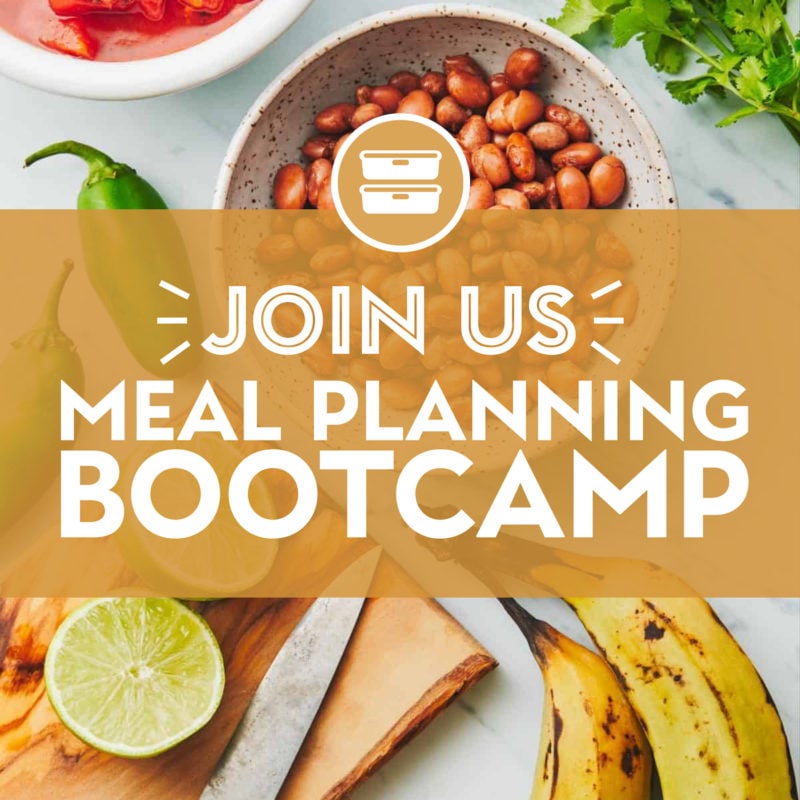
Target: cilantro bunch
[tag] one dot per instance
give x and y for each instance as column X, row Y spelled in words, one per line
column 747, row 47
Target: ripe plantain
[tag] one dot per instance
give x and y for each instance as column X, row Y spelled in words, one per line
column 592, row 746
column 713, row 727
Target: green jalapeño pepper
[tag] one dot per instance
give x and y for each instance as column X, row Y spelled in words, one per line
column 137, row 262
column 30, row 402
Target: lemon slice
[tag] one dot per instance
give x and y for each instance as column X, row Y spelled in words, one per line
column 134, row 676
column 222, row 561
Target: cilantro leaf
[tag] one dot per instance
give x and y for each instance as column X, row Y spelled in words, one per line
column 750, row 83
column 578, row 16
column 747, row 43
column 771, row 20
column 746, row 48
column 663, row 53
column 782, row 71
column 656, row 12
column 689, row 91
column 744, row 15
column 628, row 23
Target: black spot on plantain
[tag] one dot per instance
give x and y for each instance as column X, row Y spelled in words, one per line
column 630, row 757
column 723, row 707
column 546, row 766
column 653, row 632
column 610, row 719
column 558, row 730
column 621, row 680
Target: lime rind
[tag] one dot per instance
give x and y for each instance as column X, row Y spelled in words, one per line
column 134, row 677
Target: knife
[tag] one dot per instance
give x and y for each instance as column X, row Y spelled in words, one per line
column 265, row 744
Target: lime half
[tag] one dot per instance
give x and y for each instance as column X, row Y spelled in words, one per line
column 221, row 561
column 134, row 676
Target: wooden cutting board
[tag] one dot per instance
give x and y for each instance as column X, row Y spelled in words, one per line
column 406, row 661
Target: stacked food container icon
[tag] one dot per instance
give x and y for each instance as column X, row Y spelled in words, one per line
column 392, row 193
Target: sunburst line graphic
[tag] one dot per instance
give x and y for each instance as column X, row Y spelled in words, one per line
column 604, row 351
column 185, row 344
column 596, row 346
column 609, row 320
column 176, row 290
column 607, row 289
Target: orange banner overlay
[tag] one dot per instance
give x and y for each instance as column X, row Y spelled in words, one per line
column 597, row 403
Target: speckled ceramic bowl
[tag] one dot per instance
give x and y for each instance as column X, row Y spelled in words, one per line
column 417, row 38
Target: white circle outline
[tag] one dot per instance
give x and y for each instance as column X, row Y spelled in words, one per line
column 400, row 248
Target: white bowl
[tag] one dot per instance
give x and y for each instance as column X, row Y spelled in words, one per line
column 130, row 80
column 417, row 38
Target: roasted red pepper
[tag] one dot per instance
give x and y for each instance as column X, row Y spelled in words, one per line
column 152, row 9
column 69, row 36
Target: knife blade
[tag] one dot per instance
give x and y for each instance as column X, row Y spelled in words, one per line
column 265, row 744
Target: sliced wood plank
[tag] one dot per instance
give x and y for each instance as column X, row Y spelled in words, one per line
column 407, row 661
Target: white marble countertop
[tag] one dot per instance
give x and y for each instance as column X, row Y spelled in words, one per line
column 486, row 744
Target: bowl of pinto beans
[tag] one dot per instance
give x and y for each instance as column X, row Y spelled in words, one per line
column 544, row 125
column 401, row 60
column 127, row 49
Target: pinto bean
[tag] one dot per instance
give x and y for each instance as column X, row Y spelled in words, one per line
column 607, row 181
column 435, row 84
column 543, row 168
column 523, row 68
column 573, row 188
column 499, row 84
column 474, row 133
column 417, row 102
column 319, row 147
column 290, row 187
column 365, row 113
column 450, row 115
column 533, row 190
column 325, row 197
column 548, row 136
column 579, row 154
column 511, row 198
column 363, row 94
column 465, row 63
column 490, row 162
column 521, row 157
column 570, row 120
column 335, row 119
column 317, row 173
column 468, row 89
column 387, row 97
column 405, row 81
column 551, row 193
column 481, row 194
column 514, row 112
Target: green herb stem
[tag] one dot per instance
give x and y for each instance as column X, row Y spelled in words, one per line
column 749, row 49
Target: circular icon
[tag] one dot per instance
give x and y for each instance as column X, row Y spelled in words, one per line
column 400, row 183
